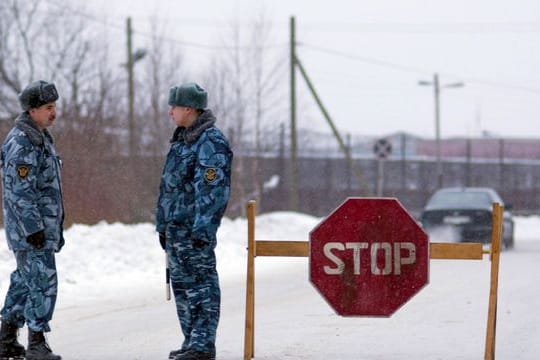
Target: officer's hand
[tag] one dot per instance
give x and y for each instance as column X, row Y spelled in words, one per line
column 162, row 239
column 199, row 244
column 37, row 240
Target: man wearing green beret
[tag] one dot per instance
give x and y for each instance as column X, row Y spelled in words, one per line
column 193, row 196
column 33, row 219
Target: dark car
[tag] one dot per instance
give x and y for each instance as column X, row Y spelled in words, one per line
column 465, row 214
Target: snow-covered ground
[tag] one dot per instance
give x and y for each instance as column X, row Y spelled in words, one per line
column 112, row 301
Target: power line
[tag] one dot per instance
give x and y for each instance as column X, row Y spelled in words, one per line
column 486, row 82
column 429, row 28
column 410, row 69
column 211, row 47
column 87, row 16
column 398, row 27
column 365, row 59
column 117, row 26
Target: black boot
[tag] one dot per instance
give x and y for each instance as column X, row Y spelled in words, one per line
column 196, row 355
column 174, row 353
column 38, row 349
column 9, row 346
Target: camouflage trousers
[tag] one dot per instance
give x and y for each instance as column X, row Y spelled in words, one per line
column 31, row 296
column 195, row 284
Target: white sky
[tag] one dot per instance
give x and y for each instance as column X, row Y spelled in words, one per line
column 381, row 49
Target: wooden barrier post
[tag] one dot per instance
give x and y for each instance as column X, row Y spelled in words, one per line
column 438, row 251
column 249, row 334
column 496, row 235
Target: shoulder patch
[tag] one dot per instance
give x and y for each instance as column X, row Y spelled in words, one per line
column 23, row 171
column 210, row 174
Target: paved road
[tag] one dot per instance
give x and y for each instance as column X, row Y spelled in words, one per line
column 445, row 321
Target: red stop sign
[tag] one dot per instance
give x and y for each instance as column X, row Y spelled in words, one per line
column 368, row 257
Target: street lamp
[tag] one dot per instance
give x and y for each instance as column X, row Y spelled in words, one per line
column 437, row 88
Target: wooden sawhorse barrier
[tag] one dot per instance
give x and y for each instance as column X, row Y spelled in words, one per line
column 438, row 251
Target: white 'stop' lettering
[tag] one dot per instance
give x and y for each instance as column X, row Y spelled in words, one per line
column 393, row 259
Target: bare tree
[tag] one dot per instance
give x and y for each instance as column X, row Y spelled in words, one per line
column 100, row 180
column 243, row 81
column 71, row 53
column 17, row 32
column 33, row 47
column 267, row 76
column 164, row 68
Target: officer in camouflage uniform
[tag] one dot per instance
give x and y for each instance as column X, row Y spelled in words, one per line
column 33, row 217
column 193, row 195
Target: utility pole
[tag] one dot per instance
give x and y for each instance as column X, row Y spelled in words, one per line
column 132, row 58
column 403, row 141
column 437, row 89
column 296, row 63
column 437, row 92
column 131, row 120
column 346, row 149
column 293, row 180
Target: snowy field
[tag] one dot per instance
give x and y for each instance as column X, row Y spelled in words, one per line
column 112, row 301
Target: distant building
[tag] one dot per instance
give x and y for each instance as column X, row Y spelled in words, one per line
column 483, row 148
column 405, row 145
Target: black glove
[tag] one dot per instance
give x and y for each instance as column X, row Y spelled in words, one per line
column 199, row 244
column 162, row 239
column 37, row 240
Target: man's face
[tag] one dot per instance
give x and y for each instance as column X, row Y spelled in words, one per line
column 44, row 115
column 182, row 116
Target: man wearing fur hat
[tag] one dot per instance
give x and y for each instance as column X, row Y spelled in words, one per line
column 193, row 195
column 33, row 219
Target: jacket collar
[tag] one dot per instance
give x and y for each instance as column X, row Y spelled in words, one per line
column 25, row 123
column 191, row 134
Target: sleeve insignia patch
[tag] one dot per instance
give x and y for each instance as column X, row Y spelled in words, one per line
column 210, row 174
column 23, row 171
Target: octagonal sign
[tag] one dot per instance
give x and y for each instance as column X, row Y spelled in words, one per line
column 368, row 257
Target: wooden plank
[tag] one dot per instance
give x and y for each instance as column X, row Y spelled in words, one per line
column 462, row 251
column 281, row 248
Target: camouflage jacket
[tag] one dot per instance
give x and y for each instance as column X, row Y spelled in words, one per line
column 196, row 179
column 32, row 194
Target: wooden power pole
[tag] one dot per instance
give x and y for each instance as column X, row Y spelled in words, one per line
column 293, row 165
